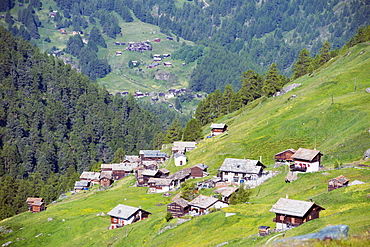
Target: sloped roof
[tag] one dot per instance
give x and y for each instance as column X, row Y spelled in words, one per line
column 181, row 174
column 106, row 166
column 226, row 191
column 106, row 174
column 305, row 154
column 164, row 170
column 123, row 167
column 184, row 144
column 81, row 184
column 160, row 181
column 178, row 155
column 34, row 199
column 149, row 173
column 290, row 149
column 181, row 201
column 218, row 126
column 241, row 165
column 292, row 207
column 90, row 175
column 202, row 201
column 123, row 211
column 341, row 179
column 152, row 154
column 201, row 166
column 132, row 158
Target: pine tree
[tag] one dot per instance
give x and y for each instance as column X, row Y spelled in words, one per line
column 193, row 130
column 119, row 156
column 325, row 53
column 251, row 86
column 272, row 82
column 174, row 133
column 301, row 67
column 226, row 100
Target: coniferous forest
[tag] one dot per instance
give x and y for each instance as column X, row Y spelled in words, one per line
column 55, row 123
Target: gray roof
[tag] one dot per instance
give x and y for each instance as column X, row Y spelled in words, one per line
column 123, row 167
column 150, row 173
column 160, row 181
column 341, row 179
column 106, row 174
column 218, row 126
column 241, row 165
column 182, row 202
column 305, row 154
column 90, row 175
column 226, row 191
column 106, row 166
column 81, row 184
column 290, row 149
column 202, row 201
column 292, row 207
column 178, row 155
column 123, row 211
column 132, row 158
column 185, row 144
column 181, row 174
column 152, row 154
column 164, row 170
column 201, row 166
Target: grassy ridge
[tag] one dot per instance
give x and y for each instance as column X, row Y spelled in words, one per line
column 327, row 109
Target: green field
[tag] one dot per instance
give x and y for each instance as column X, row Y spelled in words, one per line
column 330, row 112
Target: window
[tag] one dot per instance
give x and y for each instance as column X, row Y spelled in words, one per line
column 226, row 173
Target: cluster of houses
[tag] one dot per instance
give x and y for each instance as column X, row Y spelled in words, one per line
column 137, row 46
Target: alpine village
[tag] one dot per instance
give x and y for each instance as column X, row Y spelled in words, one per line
column 184, row 123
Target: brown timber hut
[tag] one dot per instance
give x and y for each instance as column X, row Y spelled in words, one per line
column 218, row 129
column 106, row 178
column 338, row 182
column 285, row 156
column 178, row 207
column 35, row 205
column 198, row 171
column 292, row 213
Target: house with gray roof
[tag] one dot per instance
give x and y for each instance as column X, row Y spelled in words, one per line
column 292, row 213
column 152, row 155
column 199, row 171
column 238, row 171
column 226, row 192
column 306, row 160
column 180, row 176
column 81, row 185
column 92, row 177
column 203, row 205
column 178, row 207
column 183, row 147
column 124, row 215
column 218, row 129
column 160, row 185
column 180, row 159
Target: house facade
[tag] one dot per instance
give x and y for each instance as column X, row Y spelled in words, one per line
column 226, row 192
column 199, row 171
column 35, row 205
column 238, row 171
column 183, row 147
column 106, row 178
column 92, row 177
column 218, row 129
column 203, row 205
column 152, row 155
column 292, row 213
column 180, row 176
column 306, row 160
column 178, row 207
column 338, row 182
column 285, row 156
column 160, row 185
column 123, row 215
column 180, row 159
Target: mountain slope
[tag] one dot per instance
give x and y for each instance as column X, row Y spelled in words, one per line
column 267, row 127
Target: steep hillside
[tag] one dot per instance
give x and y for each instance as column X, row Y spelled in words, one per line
column 330, row 109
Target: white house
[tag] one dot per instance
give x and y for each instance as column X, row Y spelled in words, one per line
column 203, row 204
column 306, row 160
column 160, row 185
column 124, row 215
column 180, row 159
column 237, row 171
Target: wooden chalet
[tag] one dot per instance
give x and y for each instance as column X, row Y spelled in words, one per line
column 152, row 155
column 180, row 176
column 163, row 172
column 218, row 129
column 35, row 205
column 180, row 159
column 92, row 177
column 122, row 170
column 143, row 176
column 81, row 185
column 134, row 160
column 292, row 213
column 106, row 178
column 263, row 231
column 306, row 160
column 178, row 207
column 338, row 182
column 106, row 167
column 199, row 171
column 203, row 204
column 285, row 156
column 125, row 215
column 226, row 192
column 183, row 147
column 238, row 171
column 160, row 185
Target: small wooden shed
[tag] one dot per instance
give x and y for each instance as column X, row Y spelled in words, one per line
column 35, row 205
column 178, row 207
column 338, row 182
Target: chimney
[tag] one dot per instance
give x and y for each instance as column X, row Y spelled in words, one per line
column 261, row 159
column 286, row 196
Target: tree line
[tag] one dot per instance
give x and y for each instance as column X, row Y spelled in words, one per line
column 55, row 123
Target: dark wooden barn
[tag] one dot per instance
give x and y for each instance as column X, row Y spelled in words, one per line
column 179, row 207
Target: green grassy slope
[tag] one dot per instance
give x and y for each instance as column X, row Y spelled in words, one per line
column 341, row 130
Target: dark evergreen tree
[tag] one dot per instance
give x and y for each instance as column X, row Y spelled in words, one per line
column 192, row 130
column 174, row 133
column 273, row 82
column 301, row 67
